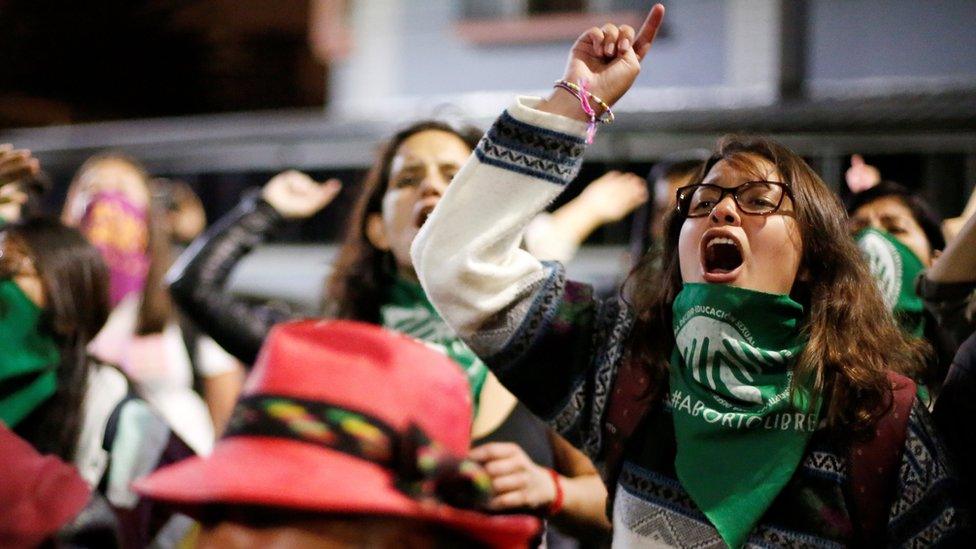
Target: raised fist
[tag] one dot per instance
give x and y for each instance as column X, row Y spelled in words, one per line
column 297, row 196
column 614, row 195
column 16, row 165
column 607, row 60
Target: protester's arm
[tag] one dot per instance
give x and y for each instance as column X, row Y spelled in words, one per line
column 543, row 336
column 519, row 484
column 861, row 176
column 198, row 279
column 530, row 325
column 17, row 164
column 223, row 378
column 958, row 262
column 584, row 511
column 947, row 287
column 952, row 227
column 607, row 199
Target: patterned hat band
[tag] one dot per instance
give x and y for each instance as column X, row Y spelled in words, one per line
column 422, row 468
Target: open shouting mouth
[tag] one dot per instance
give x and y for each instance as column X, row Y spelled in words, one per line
column 721, row 256
column 422, row 211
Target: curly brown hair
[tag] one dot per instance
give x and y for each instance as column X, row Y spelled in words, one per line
column 363, row 273
column 853, row 339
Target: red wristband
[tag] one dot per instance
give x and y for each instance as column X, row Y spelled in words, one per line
column 557, row 503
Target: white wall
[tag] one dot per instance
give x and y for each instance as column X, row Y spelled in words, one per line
column 409, row 60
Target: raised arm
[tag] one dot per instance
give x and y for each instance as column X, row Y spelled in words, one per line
column 533, row 328
column 607, row 199
column 957, row 264
column 948, row 285
column 16, row 167
column 197, row 280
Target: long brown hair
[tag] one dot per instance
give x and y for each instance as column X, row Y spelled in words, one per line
column 75, row 282
column 362, row 273
column 156, row 307
column 853, row 339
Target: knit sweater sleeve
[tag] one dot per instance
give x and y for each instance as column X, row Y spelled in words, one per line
column 546, row 338
column 928, row 509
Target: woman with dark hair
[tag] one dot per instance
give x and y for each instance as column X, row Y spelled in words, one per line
column 54, row 299
column 900, row 235
column 63, row 279
column 374, row 281
column 747, row 394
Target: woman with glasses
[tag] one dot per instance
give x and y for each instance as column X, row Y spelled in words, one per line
column 745, row 393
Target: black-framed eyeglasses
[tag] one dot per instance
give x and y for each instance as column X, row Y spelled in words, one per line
column 752, row 197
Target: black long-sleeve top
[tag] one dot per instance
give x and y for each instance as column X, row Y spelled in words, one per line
column 197, row 280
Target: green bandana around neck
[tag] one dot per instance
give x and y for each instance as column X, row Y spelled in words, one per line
column 895, row 267
column 28, row 358
column 740, row 436
column 409, row 312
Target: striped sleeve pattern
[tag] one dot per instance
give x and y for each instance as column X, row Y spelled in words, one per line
column 540, row 333
column 468, row 255
column 926, row 511
column 531, row 151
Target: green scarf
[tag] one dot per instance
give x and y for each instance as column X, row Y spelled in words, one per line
column 895, row 268
column 409, row 312
column 740, row 435
column 28, row 358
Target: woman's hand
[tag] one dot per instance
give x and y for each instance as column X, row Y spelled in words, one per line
column 861, row 176
column 614, row 195
column 518, row 483
column 608, row 59
column 16, row 165
column 295, row 195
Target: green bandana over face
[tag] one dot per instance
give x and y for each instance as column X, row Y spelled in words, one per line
column 895, row 268
column 28, row 358
column 409, row 312
column 740, row 434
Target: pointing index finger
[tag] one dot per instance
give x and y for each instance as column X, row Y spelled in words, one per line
column 645, row 36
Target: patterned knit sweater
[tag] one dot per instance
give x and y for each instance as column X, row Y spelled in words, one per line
column 557, row 348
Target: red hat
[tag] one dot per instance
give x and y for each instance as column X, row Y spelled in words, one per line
column 347, row 418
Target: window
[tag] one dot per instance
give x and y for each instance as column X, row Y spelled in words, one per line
column 490, row 22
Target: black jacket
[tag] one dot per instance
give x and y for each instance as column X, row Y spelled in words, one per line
column 197, row 280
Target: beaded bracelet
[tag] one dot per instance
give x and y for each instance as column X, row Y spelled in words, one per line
column 579, row 90
column 584, row 96
column 557, row 503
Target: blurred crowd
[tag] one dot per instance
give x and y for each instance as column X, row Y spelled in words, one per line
column 457, row 389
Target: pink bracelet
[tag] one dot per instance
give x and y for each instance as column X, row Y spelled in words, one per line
column 585, row 97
